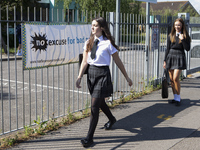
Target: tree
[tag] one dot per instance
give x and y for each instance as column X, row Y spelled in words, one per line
column 7, row 6
column 189, row 9
column 9, row 2
column 103, row 5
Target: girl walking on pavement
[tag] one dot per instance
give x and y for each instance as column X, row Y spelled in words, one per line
column 174, row 60
column 96, row 56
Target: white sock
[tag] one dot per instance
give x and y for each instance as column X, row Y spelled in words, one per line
column 175, row 96
column 178, row 98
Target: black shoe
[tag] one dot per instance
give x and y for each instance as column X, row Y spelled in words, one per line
column 177, row 103
column 86, row 143
column 171, row 101
column 109, row 124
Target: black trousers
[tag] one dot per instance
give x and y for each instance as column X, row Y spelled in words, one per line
column 95, row 105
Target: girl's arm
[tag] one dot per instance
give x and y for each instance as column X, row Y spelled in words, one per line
column 121, row 67
column 185, row 42
column 168, row 48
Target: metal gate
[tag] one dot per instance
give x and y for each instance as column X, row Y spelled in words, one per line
column 27, row 95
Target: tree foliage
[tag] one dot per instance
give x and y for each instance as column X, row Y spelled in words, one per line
column 12, row 3
column 103, row 5
column 191, row 10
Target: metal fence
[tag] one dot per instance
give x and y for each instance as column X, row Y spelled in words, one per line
column 27, row 95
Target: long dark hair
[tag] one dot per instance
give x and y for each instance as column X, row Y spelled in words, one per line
column 183, row 31
column 105, row 32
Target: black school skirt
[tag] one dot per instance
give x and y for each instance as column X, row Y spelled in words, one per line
column 176, row 60
column 99, row 81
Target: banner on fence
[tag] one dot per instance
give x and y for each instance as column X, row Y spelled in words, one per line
column 52, row 45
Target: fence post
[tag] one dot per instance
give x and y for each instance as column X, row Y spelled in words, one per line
column 116, row 42
column 187, row 54
column 169, row 27
column 112, row 66
column 146, row 70
column 156, row 47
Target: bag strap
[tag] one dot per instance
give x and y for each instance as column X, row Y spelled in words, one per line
column 164, row 73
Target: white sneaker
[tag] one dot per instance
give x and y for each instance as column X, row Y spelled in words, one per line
column 18, row 53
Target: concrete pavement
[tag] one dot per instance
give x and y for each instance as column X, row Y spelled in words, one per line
column 146, row 123
column 11, row 57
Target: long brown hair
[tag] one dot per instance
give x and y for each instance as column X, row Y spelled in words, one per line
column 105, row 32
column 183, row 31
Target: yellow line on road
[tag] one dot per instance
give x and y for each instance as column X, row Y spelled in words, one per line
column 163, row 116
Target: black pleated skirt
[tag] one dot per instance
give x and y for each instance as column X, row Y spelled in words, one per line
column 176, row 60
column 99, row 81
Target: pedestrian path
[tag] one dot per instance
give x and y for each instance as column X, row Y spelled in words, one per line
column 11, row 57
column 146, row 123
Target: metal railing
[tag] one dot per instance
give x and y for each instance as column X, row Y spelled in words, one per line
column 50, row 92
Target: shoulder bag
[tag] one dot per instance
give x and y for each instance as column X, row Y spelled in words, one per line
column 164, row 93
column 80, row 61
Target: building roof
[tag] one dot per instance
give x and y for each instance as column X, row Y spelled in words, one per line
column 173, row 5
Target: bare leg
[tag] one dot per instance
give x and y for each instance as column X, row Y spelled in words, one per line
column 176, row 87
column 176, row 81
column 19, row 50
column 171, row 76
column 20, row 46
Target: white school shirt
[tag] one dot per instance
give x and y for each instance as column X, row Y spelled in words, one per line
column 178, row 33
column 103, row 53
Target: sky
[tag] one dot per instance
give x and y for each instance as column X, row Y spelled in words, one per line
column 195, row 3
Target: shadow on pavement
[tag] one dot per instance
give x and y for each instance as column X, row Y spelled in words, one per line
column 143, row 124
